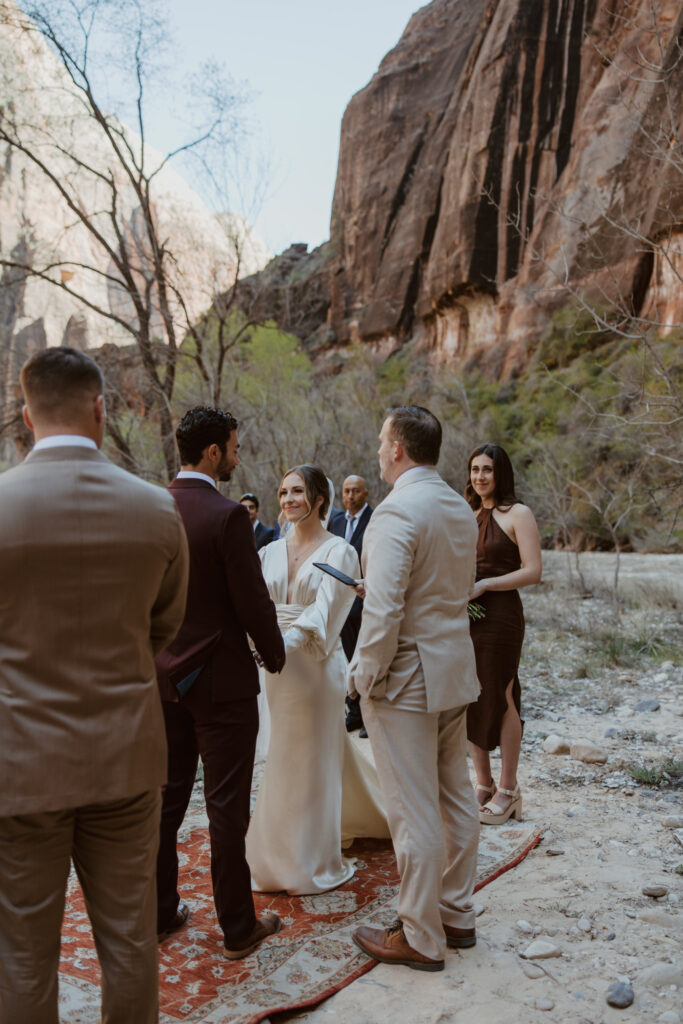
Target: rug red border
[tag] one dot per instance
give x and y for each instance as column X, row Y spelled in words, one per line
column 513, row 863
column 291, row 1008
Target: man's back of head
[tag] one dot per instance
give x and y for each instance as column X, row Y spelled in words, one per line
column 418, row 431
column 200, row 427
column 410, row 437
column 63, row 390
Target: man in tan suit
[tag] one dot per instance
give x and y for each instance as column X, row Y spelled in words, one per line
column 414, row 669
column 94, row 568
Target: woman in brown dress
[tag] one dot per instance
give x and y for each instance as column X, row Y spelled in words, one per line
column 508, row 557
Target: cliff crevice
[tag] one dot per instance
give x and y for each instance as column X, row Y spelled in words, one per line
column 505, row 157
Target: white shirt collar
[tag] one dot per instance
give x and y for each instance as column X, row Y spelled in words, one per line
column 189, row 474
column 64, row 440
column 357, row 515
column 257, row 522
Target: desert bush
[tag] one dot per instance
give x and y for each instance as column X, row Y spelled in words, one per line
column 668, row 772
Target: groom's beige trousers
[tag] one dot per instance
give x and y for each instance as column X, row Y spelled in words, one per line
column 421, row 760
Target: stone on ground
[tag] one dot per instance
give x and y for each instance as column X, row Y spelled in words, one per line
column 620, row 994
column 587, row 751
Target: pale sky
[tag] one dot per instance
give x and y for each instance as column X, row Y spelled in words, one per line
column 303, row 60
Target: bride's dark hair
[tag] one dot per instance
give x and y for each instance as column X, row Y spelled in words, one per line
column 315, row 484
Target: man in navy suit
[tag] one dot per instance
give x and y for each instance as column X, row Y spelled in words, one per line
column 351, row 525
column 262, row 534
column 209, row 682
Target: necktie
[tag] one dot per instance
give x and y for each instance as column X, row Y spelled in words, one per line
column 350, row 525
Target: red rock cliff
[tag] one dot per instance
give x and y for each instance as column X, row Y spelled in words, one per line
column 506, row 154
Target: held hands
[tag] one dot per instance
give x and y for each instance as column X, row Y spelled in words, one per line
column 277, row 667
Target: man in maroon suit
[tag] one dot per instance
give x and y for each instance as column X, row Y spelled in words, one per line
column 209, row 682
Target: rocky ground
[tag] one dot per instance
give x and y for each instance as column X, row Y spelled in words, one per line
column 610, row 674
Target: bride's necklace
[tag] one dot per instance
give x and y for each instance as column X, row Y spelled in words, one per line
column 303, row 552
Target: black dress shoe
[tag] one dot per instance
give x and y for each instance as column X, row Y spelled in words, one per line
column 363, row 733
column 178, row 920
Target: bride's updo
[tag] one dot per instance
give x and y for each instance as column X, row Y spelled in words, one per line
column 315, row 484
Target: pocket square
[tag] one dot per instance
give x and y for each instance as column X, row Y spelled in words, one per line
column 186, row 684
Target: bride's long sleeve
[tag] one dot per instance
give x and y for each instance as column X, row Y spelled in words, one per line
column 317, row 628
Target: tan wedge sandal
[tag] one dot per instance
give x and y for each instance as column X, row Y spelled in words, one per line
column 490, row 814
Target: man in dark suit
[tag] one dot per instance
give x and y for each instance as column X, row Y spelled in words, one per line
column 351, row 525
column 262, row 534
column 209, row 682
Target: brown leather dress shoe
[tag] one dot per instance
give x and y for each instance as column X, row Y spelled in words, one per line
column 180, row 918
column 460, row 938
column 267, row 925
column 390, row 946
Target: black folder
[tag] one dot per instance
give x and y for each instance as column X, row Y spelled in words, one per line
column 337, row 573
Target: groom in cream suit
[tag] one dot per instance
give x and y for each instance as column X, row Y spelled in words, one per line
column 94, row 568
column 415, row 672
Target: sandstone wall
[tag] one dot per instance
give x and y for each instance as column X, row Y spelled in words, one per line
column 506, row 154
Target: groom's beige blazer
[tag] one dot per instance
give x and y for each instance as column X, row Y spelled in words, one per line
column 94, row 565
column 418, row 632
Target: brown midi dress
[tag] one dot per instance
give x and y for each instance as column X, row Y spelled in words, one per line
column 498, row 637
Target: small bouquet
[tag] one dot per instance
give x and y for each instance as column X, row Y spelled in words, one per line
column 475, row 610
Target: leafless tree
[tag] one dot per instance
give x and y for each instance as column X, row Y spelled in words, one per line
column 107, row 176
column 612, row 503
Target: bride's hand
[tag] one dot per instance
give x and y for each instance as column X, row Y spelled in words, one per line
column 360, row 589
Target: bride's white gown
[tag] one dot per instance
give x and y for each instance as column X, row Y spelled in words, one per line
column 300, row 817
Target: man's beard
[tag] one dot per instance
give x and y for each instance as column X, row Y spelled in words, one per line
column 224, row 473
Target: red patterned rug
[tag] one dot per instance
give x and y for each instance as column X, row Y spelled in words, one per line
column 310, row 959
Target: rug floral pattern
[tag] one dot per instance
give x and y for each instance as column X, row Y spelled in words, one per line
column 312, row 957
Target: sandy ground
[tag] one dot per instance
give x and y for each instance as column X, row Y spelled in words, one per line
column 585, row 669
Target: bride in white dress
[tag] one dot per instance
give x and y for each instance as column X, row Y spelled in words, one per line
column 317, row 790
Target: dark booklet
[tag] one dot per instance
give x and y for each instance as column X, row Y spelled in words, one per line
column 337, row 573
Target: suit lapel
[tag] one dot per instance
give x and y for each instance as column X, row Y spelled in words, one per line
column 357, row 536
column 338, row 526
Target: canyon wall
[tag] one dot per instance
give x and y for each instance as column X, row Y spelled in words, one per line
column 508, row 157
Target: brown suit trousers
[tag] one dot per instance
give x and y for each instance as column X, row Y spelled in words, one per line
column 113, row 847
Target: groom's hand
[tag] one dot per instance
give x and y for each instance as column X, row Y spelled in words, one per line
column 274, row 667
